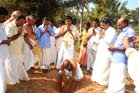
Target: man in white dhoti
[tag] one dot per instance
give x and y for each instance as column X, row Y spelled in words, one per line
column 93, row 38
column 102, row 63
column 4, row 53
column 30, row 42
column 53, row 44
column 58, row 40
column 67, row 47
column 119, row 60
column 14, row 30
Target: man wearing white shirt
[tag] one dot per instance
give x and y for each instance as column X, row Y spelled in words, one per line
column 14, row 30
column 93, row 38
column 102, row 63
column 4, row 50
column 67, row 46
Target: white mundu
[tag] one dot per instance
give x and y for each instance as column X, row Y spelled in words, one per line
column 102, row 63
column 17, row 51
column 133, row 66
column 3, row 55
column 67, row 46
column 53, row 50
column 92, row 45
column 29, row 56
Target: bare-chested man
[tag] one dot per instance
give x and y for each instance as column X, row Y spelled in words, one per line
column 30, row 41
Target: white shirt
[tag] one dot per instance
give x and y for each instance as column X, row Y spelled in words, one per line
column 93, row 41
column 2, row 33
column 16, row 45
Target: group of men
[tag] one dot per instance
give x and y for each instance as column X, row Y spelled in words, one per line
column 18, row 36
column 105, row 52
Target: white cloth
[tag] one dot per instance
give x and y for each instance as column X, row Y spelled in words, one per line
column 3, row 78
column 102, row 63
column 59, row 40
column 79, row 73
column 117, row 78
column 133, row 66
column 45, row 57
column 3, row 55
column 67, row 47
column 92, row 46
column 29, row 57
column 64, row 53
column 53, row 50
column 91, row 56
column 16, row 49
column 11, row 30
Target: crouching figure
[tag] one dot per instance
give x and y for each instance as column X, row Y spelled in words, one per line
column 69, row 71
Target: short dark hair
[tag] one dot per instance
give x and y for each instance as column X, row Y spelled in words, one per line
column 60, row 22
column 87, row 23
column 66, row 63
column 68, row 17
column 106, row 20
column 126, row 21
column 3, row 11
column 45, row 18
column 20, row 17
column 95, row 19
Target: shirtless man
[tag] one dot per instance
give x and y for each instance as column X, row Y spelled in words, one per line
column 30, row 20
column 30, row 41
column 69, row 71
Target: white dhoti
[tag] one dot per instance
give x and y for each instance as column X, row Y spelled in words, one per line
column 3, row 79
column 91, row 55
column 29, row 57
column 79, row 73
column 65, row 52
column 45, row 57
column 101, row 71
column 117, row 78
column 133, row 66
column 53, row 50
column 11, row 71
column 102, row 64
column 20, row 69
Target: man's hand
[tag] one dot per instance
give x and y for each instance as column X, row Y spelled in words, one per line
column 135, row 39
column 46, row 28
column 111, row 48
column 6, row 42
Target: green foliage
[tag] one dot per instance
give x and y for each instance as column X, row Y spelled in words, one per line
column 110, row 8
column 57, row 9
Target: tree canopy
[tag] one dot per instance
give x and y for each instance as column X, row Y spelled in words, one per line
column 79, row 9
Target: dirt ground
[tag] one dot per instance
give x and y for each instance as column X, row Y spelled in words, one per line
column 46, row 82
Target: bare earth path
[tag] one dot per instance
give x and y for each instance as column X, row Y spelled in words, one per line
column 47, row 83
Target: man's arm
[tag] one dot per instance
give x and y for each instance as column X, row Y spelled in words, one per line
column 90, row 34
column 61, row 33
column 117, row 48
column 17, row 35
